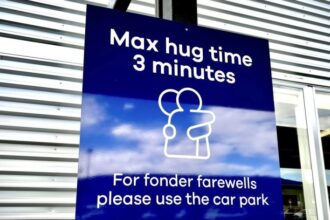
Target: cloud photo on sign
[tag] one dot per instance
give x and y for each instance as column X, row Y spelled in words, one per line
column 125, row 135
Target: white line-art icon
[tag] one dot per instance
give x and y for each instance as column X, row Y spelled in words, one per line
column 197, row 134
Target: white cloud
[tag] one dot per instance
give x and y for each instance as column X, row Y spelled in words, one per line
column 248, row 132
column 93, row 113
column 128, row 106
column 144, row 160
column 147, row 136
column 236, row 132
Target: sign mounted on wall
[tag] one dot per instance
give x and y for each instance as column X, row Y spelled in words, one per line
column 177, row 122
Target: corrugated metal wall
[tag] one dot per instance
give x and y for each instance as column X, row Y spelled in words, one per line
column 41, row 52
column 299, row 31
column 41, row 56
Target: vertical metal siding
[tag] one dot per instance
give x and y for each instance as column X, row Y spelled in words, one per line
column 41, row 50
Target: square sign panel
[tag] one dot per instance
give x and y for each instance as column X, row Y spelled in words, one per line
column 177, row 123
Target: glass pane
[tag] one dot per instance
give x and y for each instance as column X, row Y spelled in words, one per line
column 296, row 173
column 323, row 109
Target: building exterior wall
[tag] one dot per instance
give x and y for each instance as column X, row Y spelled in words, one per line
column 41, row 60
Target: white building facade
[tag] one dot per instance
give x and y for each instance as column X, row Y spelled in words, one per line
column 41, row 62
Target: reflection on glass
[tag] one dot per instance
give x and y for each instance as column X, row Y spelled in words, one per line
column 323, row 109
column 296, row 174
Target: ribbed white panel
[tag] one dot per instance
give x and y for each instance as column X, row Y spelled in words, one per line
column 41, row 56
column 41, row 52
column 299, row 31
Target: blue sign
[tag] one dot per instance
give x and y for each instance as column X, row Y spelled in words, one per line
column 177, row 123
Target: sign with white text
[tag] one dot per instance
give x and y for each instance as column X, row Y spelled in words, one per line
column 177, row 123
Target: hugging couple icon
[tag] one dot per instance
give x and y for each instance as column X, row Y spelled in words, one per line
column 191, row 141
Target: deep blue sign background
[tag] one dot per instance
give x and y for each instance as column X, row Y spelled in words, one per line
column 253, row 87
column 108, row 71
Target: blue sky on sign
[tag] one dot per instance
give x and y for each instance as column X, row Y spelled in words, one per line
column 125, row 135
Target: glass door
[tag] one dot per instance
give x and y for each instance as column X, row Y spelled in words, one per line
column 323, row 111
column 294, row 149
